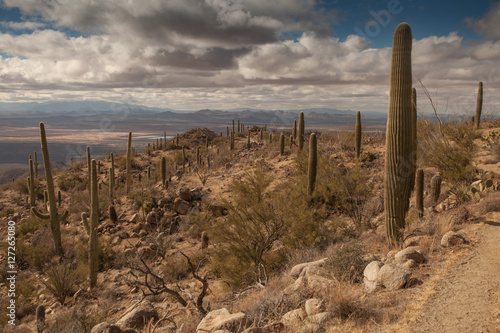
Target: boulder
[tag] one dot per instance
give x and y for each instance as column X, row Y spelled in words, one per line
column 412, row 252
column 294, row 318
column 318, row 319
column 185, row 194
column 275, row 327
column 452, row 238
column 297, row 269
column 393, row 276
column 151, row 218
column 314, row 306
column 221, row 319
column 181, row 206
column 163, row 202
column 138, row 316
column 110, row 328
column 371, row 280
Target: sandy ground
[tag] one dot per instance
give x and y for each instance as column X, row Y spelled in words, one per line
column 466, row 296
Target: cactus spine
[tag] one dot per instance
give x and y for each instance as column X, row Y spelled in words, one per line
column 282, row 144
column 313, row 163
column 301, row 131
column 54, row 216
column 436, row 187
column 399, row 139
column 419, row 192
column 479, row 104
column 40, row 318
column 129, row 163
column 94, row 220
column 357, row 134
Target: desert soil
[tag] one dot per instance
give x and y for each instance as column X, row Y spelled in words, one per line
column 465, row 298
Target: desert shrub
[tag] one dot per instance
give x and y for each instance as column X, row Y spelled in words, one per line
column 19, row 185
column 347, row 262
column 75, row 320
column 449, row 148
column 175, row 269
column 144, row 195
column 70, row 180
column 30, row 225
column 61, row 282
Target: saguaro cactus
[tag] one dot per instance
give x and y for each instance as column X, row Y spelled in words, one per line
column 129, row 163
column 163, row 169
column 248, row 139
column 35, row 165
column 357, row 134
column 313, row 163
column 282, row 144
column 414, row 136
column 204, row 240
column 198, row 157
column 294, row 129
column 399, row 139
column 31, row 185
column 88, row 167
column 94, row 220
column 479, row 104
column 301, row 131
column 436, row 187
column 183, row 160
column 40, row 318
column 419, row 192
column 54, row 216
column 232, row 141
column 112, row 179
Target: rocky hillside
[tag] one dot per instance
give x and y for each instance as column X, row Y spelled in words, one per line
column 214, row 239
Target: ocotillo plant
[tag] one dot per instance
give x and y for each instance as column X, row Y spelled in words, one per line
column 357, row 134
column 129, row 163
column 282, row 144
column 40, row 318
column 163, row 169
column 54, row 216
column 313, row 163
column 399, row 139
column 419, row 192
column 94, row 220
column 436, row 187
column 294, row 129
column 301, row 131
column 479, row 104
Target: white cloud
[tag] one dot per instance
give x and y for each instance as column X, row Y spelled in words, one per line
column 489, row 25
column 28, row 25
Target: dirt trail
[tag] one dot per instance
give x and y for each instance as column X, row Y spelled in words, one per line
column 467, row 296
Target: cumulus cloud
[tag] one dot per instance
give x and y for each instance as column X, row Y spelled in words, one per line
column 28, row 25
column 489, row 25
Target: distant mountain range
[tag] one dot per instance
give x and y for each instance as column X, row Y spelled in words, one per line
column 97, row 107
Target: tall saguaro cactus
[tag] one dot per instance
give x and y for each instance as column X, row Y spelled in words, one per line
column 31, row 185
column 414, row 135
column 94, row 220
column 112, row 179
column 163, row 169
column 302, row 127
column 54, row 216
column 313, row 163
column 294, row 129
column 129, row 162
column 479, row 104
column 282, row 143
column 399, row 139
column 357, row 134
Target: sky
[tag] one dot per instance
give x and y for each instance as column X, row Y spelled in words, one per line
column 260, row 54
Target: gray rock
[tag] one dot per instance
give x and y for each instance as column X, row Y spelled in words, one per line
column 412, row 252
column 371, row 280
column 297, row 269
column 222, row 319
column 393, row 276
column 294, row 318
column 137, row 316
column 318, row 319
column 452, row 238
column 314, row 306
